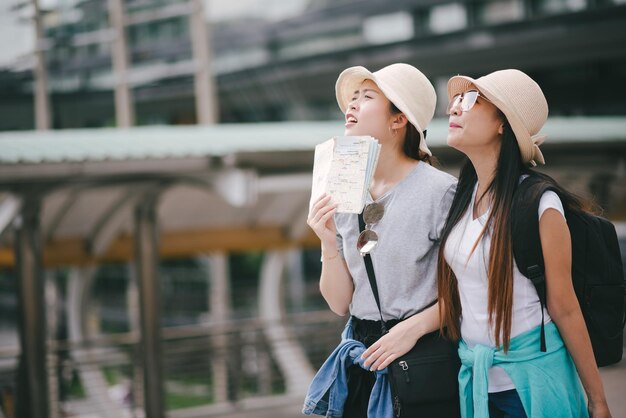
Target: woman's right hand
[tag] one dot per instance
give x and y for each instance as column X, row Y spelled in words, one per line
column 321, row 220
column 336, row 283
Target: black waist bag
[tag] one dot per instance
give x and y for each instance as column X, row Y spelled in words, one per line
column 428, row 373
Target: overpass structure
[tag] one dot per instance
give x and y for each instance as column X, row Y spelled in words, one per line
column 83, row 198
column 286, row 70
column 561, row 47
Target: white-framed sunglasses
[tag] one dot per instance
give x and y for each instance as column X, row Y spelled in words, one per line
column 466, row 100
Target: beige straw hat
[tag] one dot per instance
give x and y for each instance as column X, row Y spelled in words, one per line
column 521, row 100
column 404, row 85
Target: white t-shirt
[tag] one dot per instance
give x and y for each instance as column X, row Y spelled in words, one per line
column 472, row 280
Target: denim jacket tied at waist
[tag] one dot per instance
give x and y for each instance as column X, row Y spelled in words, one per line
column 329, row 389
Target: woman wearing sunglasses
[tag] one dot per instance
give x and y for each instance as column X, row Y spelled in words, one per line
column 404, row 214
column 485, row 301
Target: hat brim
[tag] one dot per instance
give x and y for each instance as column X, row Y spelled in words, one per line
column 349, row 82
column 460, row 83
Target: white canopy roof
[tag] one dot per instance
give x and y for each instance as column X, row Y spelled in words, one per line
column 224, row 187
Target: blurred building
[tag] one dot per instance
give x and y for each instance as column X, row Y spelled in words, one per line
column 269, row 70
column 89, row 219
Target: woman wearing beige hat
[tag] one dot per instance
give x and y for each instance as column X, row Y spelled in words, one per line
column 411, row 199
column 508, row 370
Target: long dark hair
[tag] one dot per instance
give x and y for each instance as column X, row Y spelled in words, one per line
column 500, row 268
column 412, row 139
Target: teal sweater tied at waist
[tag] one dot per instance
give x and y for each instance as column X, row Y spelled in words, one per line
column 547, row 383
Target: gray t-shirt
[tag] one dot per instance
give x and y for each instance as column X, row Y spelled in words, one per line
column 405, row 259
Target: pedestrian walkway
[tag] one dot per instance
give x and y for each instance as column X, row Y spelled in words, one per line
column 614, row 378
column 290, row 410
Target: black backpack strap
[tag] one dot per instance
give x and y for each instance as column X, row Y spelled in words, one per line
column 372, row 277
column 526, row 240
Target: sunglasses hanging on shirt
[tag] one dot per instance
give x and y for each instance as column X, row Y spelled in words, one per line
column 368, row 239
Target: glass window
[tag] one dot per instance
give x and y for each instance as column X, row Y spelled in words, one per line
column 321, row 44
column 154, row 30
column 166, row 30
column 447, row 18
column 387, row 28
column 177, row 28
column 82, row 52
column 560, row 6
column 238, row 59
column 105, row 48
column 183, row 28
column 500, row 11
column 143, row 34
column 132, row 34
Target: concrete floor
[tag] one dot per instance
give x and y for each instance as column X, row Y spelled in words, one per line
column 614, row 378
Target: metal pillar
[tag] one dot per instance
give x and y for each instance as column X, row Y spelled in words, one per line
column 51, row 296
column 124, row 110
column 92, row 377
column 295, row 273
column 134, row 321
column 288, row 353
column 146, row 263
column 42, row 100
column 204, row 82
column 32, row 376
column 219, row 302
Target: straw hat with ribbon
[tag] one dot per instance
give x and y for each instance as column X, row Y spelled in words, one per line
column 404, row 85
column 521, row 100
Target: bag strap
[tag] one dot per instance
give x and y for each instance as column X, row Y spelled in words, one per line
column 526, row 241
column 369, row 267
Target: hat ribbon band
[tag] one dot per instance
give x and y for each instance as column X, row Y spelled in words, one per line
column 537, row 155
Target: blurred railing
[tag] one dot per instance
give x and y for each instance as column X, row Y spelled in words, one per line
column 209, row 369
